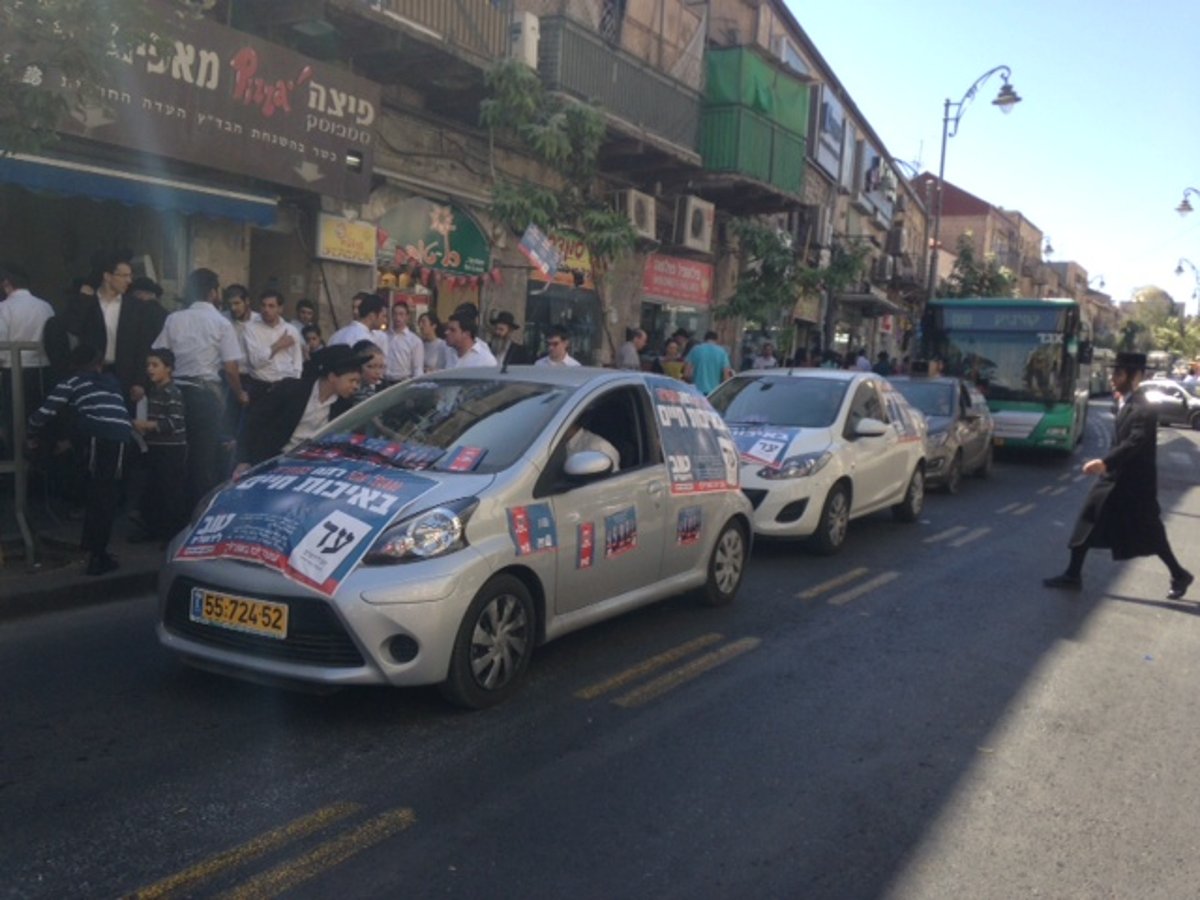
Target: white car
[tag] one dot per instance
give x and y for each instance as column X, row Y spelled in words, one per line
column 821, row 447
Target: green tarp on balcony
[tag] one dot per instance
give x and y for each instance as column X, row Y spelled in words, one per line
column 739, row 75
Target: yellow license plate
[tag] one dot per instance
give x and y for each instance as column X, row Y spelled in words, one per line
column 239, row 613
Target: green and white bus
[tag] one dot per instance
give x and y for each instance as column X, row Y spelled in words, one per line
column 1028, row 357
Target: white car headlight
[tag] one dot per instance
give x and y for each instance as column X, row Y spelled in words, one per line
column 425, row 535
column 797, row 466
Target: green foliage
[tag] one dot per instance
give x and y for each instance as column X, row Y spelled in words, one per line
column 566, row 137
column 55, row 55
column 975, row 277
column 771, row 278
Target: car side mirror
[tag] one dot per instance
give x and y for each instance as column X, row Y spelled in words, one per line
column 870, row 428
column 587, row 464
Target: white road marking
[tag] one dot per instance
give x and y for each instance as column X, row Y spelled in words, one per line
column 818, row 590
column 970, row 536
column 1057, row 491
column 942, row 535
column 1007, row 509
column 1028, row 507
column 859, row 589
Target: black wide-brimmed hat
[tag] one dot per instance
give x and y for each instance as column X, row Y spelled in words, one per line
column 1134, row 361
column 337, row 359
column 505, row 318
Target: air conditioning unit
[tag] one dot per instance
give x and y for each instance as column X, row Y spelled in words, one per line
column 523, row 37
column 694, row 223
column 789, row 55
column 883, row 269
column 641, row 211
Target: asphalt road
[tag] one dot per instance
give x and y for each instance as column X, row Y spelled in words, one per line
column 916, row 717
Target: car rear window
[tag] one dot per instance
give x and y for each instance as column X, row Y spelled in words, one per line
column 791, row 401
column 931, row 398
column 447, row 425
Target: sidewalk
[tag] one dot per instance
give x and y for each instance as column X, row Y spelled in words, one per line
column 59, row 582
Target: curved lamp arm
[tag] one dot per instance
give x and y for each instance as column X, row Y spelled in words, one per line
column 1185, row 206
column 1005, row 99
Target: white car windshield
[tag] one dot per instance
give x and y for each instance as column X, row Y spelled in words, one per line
column 790, row 401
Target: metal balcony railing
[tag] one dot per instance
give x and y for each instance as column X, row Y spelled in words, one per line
column 476, row 27
column 578, row 62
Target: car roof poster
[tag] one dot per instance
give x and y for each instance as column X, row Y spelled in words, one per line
column 701, row 456
column 310, row 521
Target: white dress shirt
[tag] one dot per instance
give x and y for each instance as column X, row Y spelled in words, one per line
column 202, row 340
column 258, row 338
column 111, row 310
column 567, row 362
column 405, row 355
column 478, row 357
column 356, row 331
column 316, row 417
column 23, row 317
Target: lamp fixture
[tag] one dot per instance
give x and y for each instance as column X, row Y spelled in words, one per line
column 1185, row 205
column 952, row 114
column 1048, row 250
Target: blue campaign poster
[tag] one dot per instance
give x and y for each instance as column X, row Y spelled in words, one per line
column 762, row 444
column 310, row 520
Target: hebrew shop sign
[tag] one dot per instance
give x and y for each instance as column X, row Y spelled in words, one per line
column 225, row 99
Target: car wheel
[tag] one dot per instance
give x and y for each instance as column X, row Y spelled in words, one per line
column 954, row 474
column 910, row 507
column 834, row 521
column 1195, row 421
column 985, row 467
column 726, row 566
column 493, row 646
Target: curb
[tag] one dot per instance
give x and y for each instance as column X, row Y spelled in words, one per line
column 74, row 592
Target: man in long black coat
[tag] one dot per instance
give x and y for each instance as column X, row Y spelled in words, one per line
column 1121, row 511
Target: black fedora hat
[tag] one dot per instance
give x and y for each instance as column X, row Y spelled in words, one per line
column 337, row 359
column 504, row 318
column 1130, row 361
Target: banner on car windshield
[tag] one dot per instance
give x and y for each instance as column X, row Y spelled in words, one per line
column 310, row 521
column 701, row 455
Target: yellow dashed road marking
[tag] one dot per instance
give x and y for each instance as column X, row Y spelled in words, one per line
column 1065, row 476
column 1006, row 509
column 287, row 875
column 686, row 673
column 1044, row 490
column 970, row 536
column 859, row 589
column 236, row 856
column 1058, row 491
column 942, row 535
column 1022, row 510
column 645, row 668
column 814, row 592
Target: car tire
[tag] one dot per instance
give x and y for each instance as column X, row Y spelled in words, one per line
column 989, row 458
column 1194, row 421
column 908, row 509
column 726, row 565
column 493, row 646
column 834, row 522
column 954, row 474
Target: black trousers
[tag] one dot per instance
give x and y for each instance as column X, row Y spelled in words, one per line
column 104, row 460
column 164, row 504
column 203, row 413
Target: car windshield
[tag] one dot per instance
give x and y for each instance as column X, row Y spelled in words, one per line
column 447, row 425
column 789, row 401
column 931, row 398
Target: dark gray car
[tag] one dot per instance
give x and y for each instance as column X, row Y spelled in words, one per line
column 1173, row 403
column 960, row 427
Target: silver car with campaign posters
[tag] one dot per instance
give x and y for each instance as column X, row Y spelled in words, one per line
column 441, row 530
column 821, row 447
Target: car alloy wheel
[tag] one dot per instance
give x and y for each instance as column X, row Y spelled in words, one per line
column 908, row 509
column 494, row 644
column 954, row 474
column 834, row 521
column 726, row 565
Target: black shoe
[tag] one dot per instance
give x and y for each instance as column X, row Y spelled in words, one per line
column 1179, row 586
column 1068, row 582
column 101, row 564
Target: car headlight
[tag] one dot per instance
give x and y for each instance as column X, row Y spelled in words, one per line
column 427, row 534
column 938, row 438
column 797, row 466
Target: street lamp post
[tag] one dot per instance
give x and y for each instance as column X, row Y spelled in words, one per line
column 951, row 116
column 1185, row 206
column 1195, row 274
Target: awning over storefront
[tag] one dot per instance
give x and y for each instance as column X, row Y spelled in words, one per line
column 870, row 306
column 74, row 179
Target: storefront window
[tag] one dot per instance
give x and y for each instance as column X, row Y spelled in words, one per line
column 576, row 310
